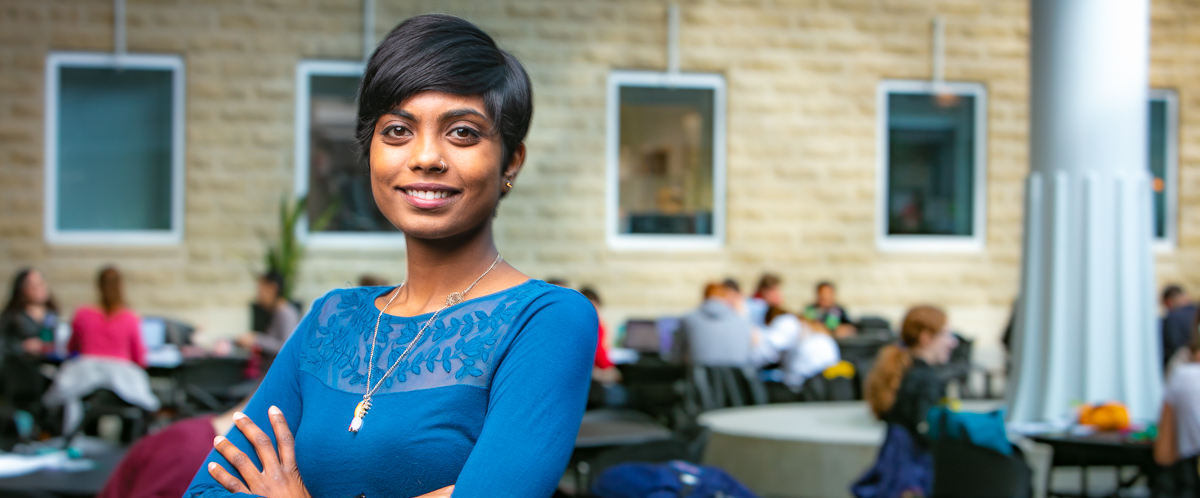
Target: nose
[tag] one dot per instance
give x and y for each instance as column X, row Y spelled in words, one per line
column 427, row 154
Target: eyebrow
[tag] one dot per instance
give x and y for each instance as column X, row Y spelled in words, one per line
column 451, row 114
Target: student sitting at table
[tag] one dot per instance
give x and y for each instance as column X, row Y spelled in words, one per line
column 29, row 317
column 110, row 330
column 284, row 319
column 1178, row 441
column 828, row 313
column 901, row 389
column 716, row 334
column 767, row 296
column 111, row 355
column 801, row 348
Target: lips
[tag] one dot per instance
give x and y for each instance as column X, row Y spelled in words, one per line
column 429, row 195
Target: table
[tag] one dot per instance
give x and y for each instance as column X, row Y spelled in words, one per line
column 1102, row 449
column 66, row 484
column 605, row 429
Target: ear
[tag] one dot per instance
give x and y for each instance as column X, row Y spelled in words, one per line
column 512, row 168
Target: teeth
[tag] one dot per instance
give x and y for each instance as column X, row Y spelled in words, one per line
column 428, row 194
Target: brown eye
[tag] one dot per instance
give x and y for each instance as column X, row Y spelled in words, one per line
column 396, row 131
column 463, row 133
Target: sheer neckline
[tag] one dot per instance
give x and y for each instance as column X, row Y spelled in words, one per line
column 376, row 295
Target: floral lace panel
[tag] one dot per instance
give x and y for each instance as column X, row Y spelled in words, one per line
column 458, row 348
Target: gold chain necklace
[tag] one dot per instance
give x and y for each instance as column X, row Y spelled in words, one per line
column 360, row 410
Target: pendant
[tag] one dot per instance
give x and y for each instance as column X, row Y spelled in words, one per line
column 454, row 298
column 360, row 411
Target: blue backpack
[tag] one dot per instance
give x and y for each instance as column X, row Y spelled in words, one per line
column 674, row 479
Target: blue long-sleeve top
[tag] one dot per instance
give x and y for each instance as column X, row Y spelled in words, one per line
column 490, row 400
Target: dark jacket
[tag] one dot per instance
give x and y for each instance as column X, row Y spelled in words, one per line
column 920, row 389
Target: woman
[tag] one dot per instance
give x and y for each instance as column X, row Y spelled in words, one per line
column 110, row 330
column 26, row 328
column 111, row 355
column 469, row 377
column 283, row 320
column 901, row 389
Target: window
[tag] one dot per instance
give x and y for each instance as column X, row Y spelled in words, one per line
column 114, row 149
column 932, row 152
column 329, row 169
column 665, row 161
column 1164, row 162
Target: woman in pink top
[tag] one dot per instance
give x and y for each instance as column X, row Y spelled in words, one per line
column 110, row 330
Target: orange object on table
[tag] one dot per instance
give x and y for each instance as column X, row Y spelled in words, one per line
column 1111, row 416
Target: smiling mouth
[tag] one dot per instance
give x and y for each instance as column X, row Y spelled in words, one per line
column 429, row 195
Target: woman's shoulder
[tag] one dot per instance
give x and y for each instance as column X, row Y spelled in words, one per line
column 541, row 295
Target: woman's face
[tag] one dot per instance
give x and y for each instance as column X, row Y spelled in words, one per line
column 436, row 167
column 35, row 288
column 939, row 345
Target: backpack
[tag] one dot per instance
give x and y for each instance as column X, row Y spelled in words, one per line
column 674, row 479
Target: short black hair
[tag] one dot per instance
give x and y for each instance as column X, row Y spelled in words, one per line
column 444, row 53
column 275, row 278
column 825, row 283
column 1171, row 292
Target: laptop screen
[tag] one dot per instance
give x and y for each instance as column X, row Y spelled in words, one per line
column 154, row 333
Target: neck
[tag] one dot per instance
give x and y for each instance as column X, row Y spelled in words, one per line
column 922, row 354
column 437, row 268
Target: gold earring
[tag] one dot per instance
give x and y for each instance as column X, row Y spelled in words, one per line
column 509, row 184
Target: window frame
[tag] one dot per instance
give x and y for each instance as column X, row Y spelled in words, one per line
column 931, row 243
column 305, row 70
column 1169, row 241
column 663, row 242
column 55, row 61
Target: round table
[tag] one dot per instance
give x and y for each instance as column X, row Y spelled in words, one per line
column 808, row 450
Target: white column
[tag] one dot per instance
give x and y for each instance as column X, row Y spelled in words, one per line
column 1086, row 328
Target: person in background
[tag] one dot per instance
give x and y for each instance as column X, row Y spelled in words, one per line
column 111, row 355
column 801, row 348
column 162, row 464
column 1179, row 311
column 26, row 328
column 828, row 313
column 110, row 329
column 768, row 294
column 1178, row 442
column 284, row 318
column 369, row 280
column 603, row 369
column 716, row 334
column 900, row 390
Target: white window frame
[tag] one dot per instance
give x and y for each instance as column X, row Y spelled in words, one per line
column 305, row 70
column 663, row 242
column 931, row 243
column 1168, row 242
column 171, row 236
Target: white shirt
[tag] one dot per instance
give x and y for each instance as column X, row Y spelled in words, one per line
column 1183, row 394
column 803, row 351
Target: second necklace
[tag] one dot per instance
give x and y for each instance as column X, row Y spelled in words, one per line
column 360, row 410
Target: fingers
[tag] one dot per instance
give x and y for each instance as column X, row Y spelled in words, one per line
column 239, row 460
column 222, row 476
column 283, row 439
column 261, row 442
column 441, row 493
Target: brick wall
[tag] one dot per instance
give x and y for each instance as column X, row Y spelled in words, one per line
column 801, row 144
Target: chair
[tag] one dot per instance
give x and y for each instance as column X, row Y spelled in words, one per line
column 836, row 383
column 875, row 327
column 213, row 382
column 964, row 469
column 710, row 388
column 104, row 402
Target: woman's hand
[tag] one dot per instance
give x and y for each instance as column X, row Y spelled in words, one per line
column 441, row 493
column 279, row 477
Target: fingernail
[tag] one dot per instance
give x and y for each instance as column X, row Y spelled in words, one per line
column 218, row 440
column 238, row 415
column 275, row 410
column 211, row 466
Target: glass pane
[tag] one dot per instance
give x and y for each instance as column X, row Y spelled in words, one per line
column 114, row 149
column 931, row 164
column 1158, row 164
column 666, row 157
column 338, row 179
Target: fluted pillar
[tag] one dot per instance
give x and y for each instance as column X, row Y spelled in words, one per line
column 1085, row 329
